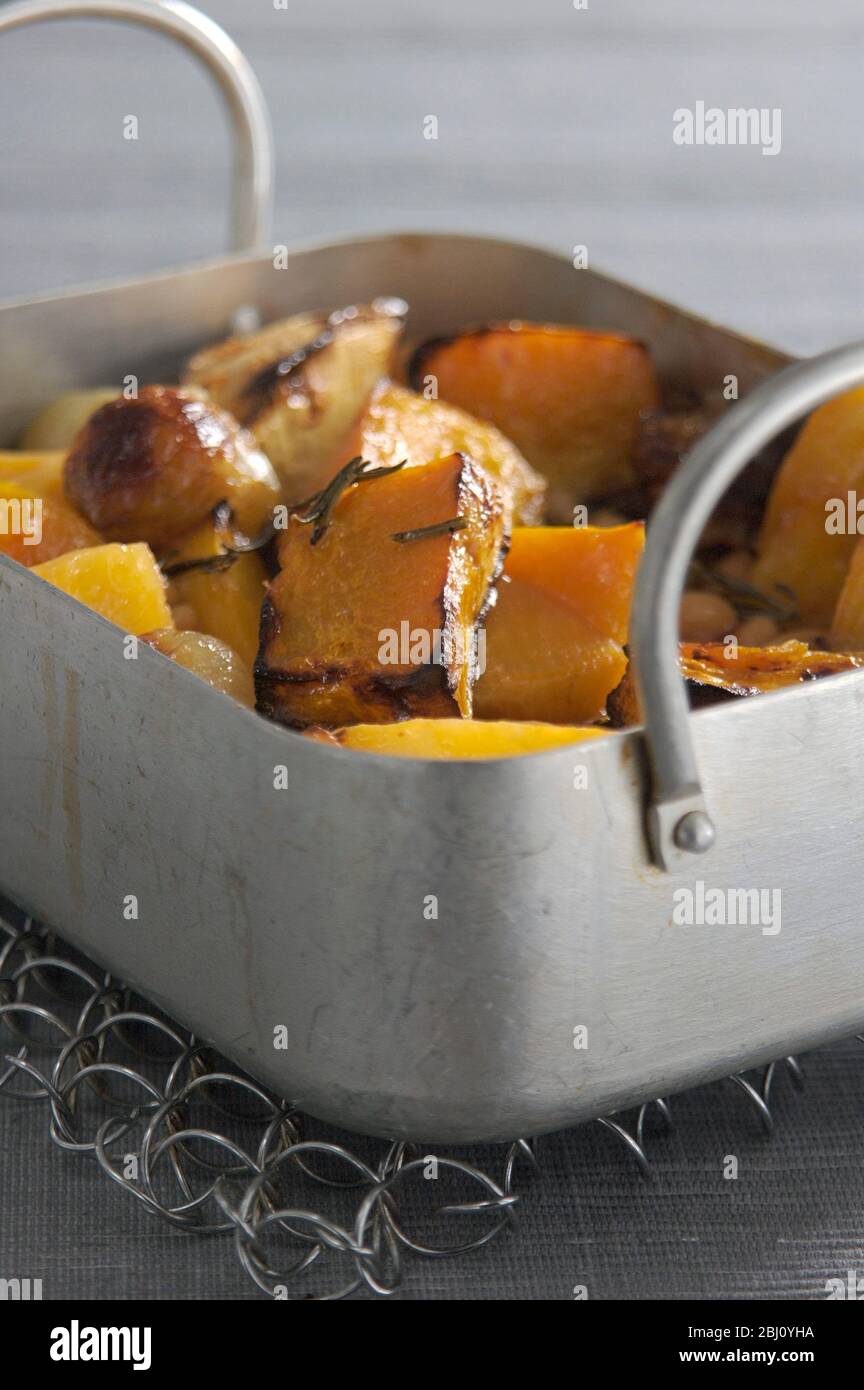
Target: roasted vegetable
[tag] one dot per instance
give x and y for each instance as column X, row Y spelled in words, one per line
column 122, row 582
column 847, row 628
column 225, row 602
column 807, row 542
column 37, row 522
column 716, row 671
column 213, row 661
column 153, row 468
column 400, row 424
column 454, row 738
column 301, row 385
column 373, row 614
column 554, row 640
column 569, row 398
column 56, row 426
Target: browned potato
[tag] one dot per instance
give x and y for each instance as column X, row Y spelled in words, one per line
column 208, row 658
column 152, row 468
column 300, row 385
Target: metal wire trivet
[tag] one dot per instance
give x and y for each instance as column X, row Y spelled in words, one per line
column 203, row 1146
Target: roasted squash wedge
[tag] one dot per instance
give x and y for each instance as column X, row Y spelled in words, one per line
column 367, row 621
column 554, row 641
column 715, row 671
column 37, row 522
column 455, row 738
column 806, row 542
column 400, row 424
column 569, row 398
column 122, row 582
column 300, row 385
column 153, row 467
column 847, row 628
column 225, row 603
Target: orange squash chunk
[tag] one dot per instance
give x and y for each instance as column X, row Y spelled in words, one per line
column 455, row 738
column 554, row 642
column 798, row 547
column 399, row 424
column 206, row 657
column 225, row 603
column 569, row 398
column 122, row 582
column 847, row 628
column 361, row 627
column 37, row 522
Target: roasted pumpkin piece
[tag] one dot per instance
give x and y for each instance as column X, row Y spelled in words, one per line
column 569, row 398
column 553, row 643
column 807, row 542
column 225, row 602
column 300, row 385
column 37, row 522
column 400, row 424
column 374, row 612
column 455, row 738
column 716, row 670
column 206, row 657
column 847, row 628
column 56, row 426
column 155, row 466
column 122, row 582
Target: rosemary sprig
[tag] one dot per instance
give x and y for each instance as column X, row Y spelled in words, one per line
column 438, row 528
column 207, row 564
column 318, row 508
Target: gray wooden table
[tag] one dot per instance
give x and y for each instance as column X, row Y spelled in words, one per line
column 555, row 125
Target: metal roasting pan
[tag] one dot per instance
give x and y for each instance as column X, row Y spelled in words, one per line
column 304, row 908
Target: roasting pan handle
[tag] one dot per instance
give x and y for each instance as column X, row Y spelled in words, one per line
column 679, row 824
column 252, row 200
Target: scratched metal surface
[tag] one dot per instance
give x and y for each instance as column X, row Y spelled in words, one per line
column 555, row 126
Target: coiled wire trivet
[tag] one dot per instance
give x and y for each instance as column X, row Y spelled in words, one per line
column 210, row 1151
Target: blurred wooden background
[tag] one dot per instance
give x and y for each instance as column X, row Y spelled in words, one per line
column 555, row 125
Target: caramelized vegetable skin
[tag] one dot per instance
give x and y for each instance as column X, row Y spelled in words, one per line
column 799, row 548
column 711, row 674
column 455, row 738
column 37, row 523
column 206, row 657
column 154, row 467
column 223, row 602
column 353, row 624
column 122, row 582
column 400, row 424
column 300, row 385
column 569, row 398
column 554, row 641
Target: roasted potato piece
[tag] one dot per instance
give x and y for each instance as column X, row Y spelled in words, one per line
column 569, row 398
column 223, row 602
column 454, row 738
column 122, row 582
column 206, row 657
column 716, row 671
column 800, row 548
column 400, row 424
column 554, row 640
column 154, row 467
column 56, row 426
column 370, row 622
column 300, row 385
column 37, row 523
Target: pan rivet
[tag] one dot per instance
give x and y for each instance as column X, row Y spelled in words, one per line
column 694, row 832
